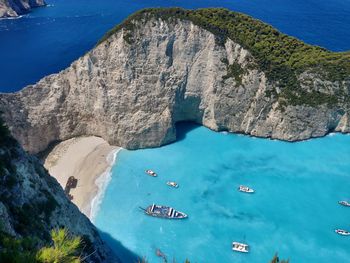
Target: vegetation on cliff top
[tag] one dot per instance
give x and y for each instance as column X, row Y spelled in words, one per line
column 280, row 56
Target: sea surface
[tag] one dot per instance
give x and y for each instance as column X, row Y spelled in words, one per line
column 294, row 210
column 48, row 39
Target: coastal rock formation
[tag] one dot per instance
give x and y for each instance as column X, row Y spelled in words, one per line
column 155, row 70
column 13, row 8
column 32, row 203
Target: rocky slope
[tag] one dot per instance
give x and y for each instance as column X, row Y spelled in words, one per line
column 32, row 203
column 13, row 8
column 159, row 68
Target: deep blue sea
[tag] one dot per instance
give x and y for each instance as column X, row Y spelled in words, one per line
column 49, row 39
column 294, row 211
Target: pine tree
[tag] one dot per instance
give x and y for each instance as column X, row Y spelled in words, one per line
column 64, row 250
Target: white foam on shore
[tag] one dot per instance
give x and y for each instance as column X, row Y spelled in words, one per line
column 102, row 182
column 11, row 17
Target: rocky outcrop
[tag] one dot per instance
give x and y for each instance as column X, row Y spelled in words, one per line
column 13, row 8
column 132, row 89
column 32, row 203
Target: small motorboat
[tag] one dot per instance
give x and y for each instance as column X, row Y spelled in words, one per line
column 240, row 247
column 342, row 232
column 344, row 203
column 173, row 184
column 163, row 212
column 245, row 189
column 151, row 173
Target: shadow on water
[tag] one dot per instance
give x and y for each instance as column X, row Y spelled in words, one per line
column 122, row 253
column 184, row 127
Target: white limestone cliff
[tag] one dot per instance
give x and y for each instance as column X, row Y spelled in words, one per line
column 132, row 89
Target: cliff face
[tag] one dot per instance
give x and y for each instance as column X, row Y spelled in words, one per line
column 32, row 203
column 13, row 8
column 132, row 88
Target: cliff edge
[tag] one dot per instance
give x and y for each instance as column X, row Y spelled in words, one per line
column 14, row 8
column 222, row 69
column 32, row 203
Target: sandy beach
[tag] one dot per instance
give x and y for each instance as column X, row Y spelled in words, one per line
column 85, row 158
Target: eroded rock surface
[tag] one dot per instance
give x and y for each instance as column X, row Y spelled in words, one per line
column 132, row 88
column 13, row 8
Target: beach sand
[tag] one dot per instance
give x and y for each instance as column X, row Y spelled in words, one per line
column 85, row 158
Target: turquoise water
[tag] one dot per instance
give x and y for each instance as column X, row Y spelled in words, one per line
column 294, row 211
column 49, row 39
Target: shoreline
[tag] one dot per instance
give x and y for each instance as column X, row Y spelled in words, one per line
column 102, row 182
column 89, row 160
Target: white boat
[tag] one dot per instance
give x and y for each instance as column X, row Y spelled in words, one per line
column 245, row 189
column 151, row 173
column 173, row 184
column 240, row 247
column 342, row 232
column 344, row 203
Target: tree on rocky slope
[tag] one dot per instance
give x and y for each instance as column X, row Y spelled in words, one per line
column 65, row 248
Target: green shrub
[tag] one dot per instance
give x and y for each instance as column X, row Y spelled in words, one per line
column 16, row 250
column 65, row 249
column 236, row 71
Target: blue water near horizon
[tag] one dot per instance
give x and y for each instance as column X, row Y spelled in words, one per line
column 294, row 211
column 48, row 39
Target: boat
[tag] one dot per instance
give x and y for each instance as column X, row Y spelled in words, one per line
column 151, row 173
column 245, row 189
column 240, row 247
column 344, row 203
column 173, row 184
column 163, row 212
column 342, row 232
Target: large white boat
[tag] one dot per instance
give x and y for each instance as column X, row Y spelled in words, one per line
column 342, row 232
column 151, row 173
column 344, row 203
column 240, row 247
column 245, row 189
column 164, row 212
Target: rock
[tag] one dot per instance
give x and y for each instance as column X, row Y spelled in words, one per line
column 13, row 8
column 132, row 89
column 32, row 203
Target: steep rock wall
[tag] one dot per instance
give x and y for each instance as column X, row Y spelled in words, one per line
column 13, row 8
column 32, row 203
column 132, row 88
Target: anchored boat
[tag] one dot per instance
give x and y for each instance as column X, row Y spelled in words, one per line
column 342, row 232
column 151, row 173
column 344, row 203
column 163, row 212
column 240, row 247
column 245, row 189
column 173, row 184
